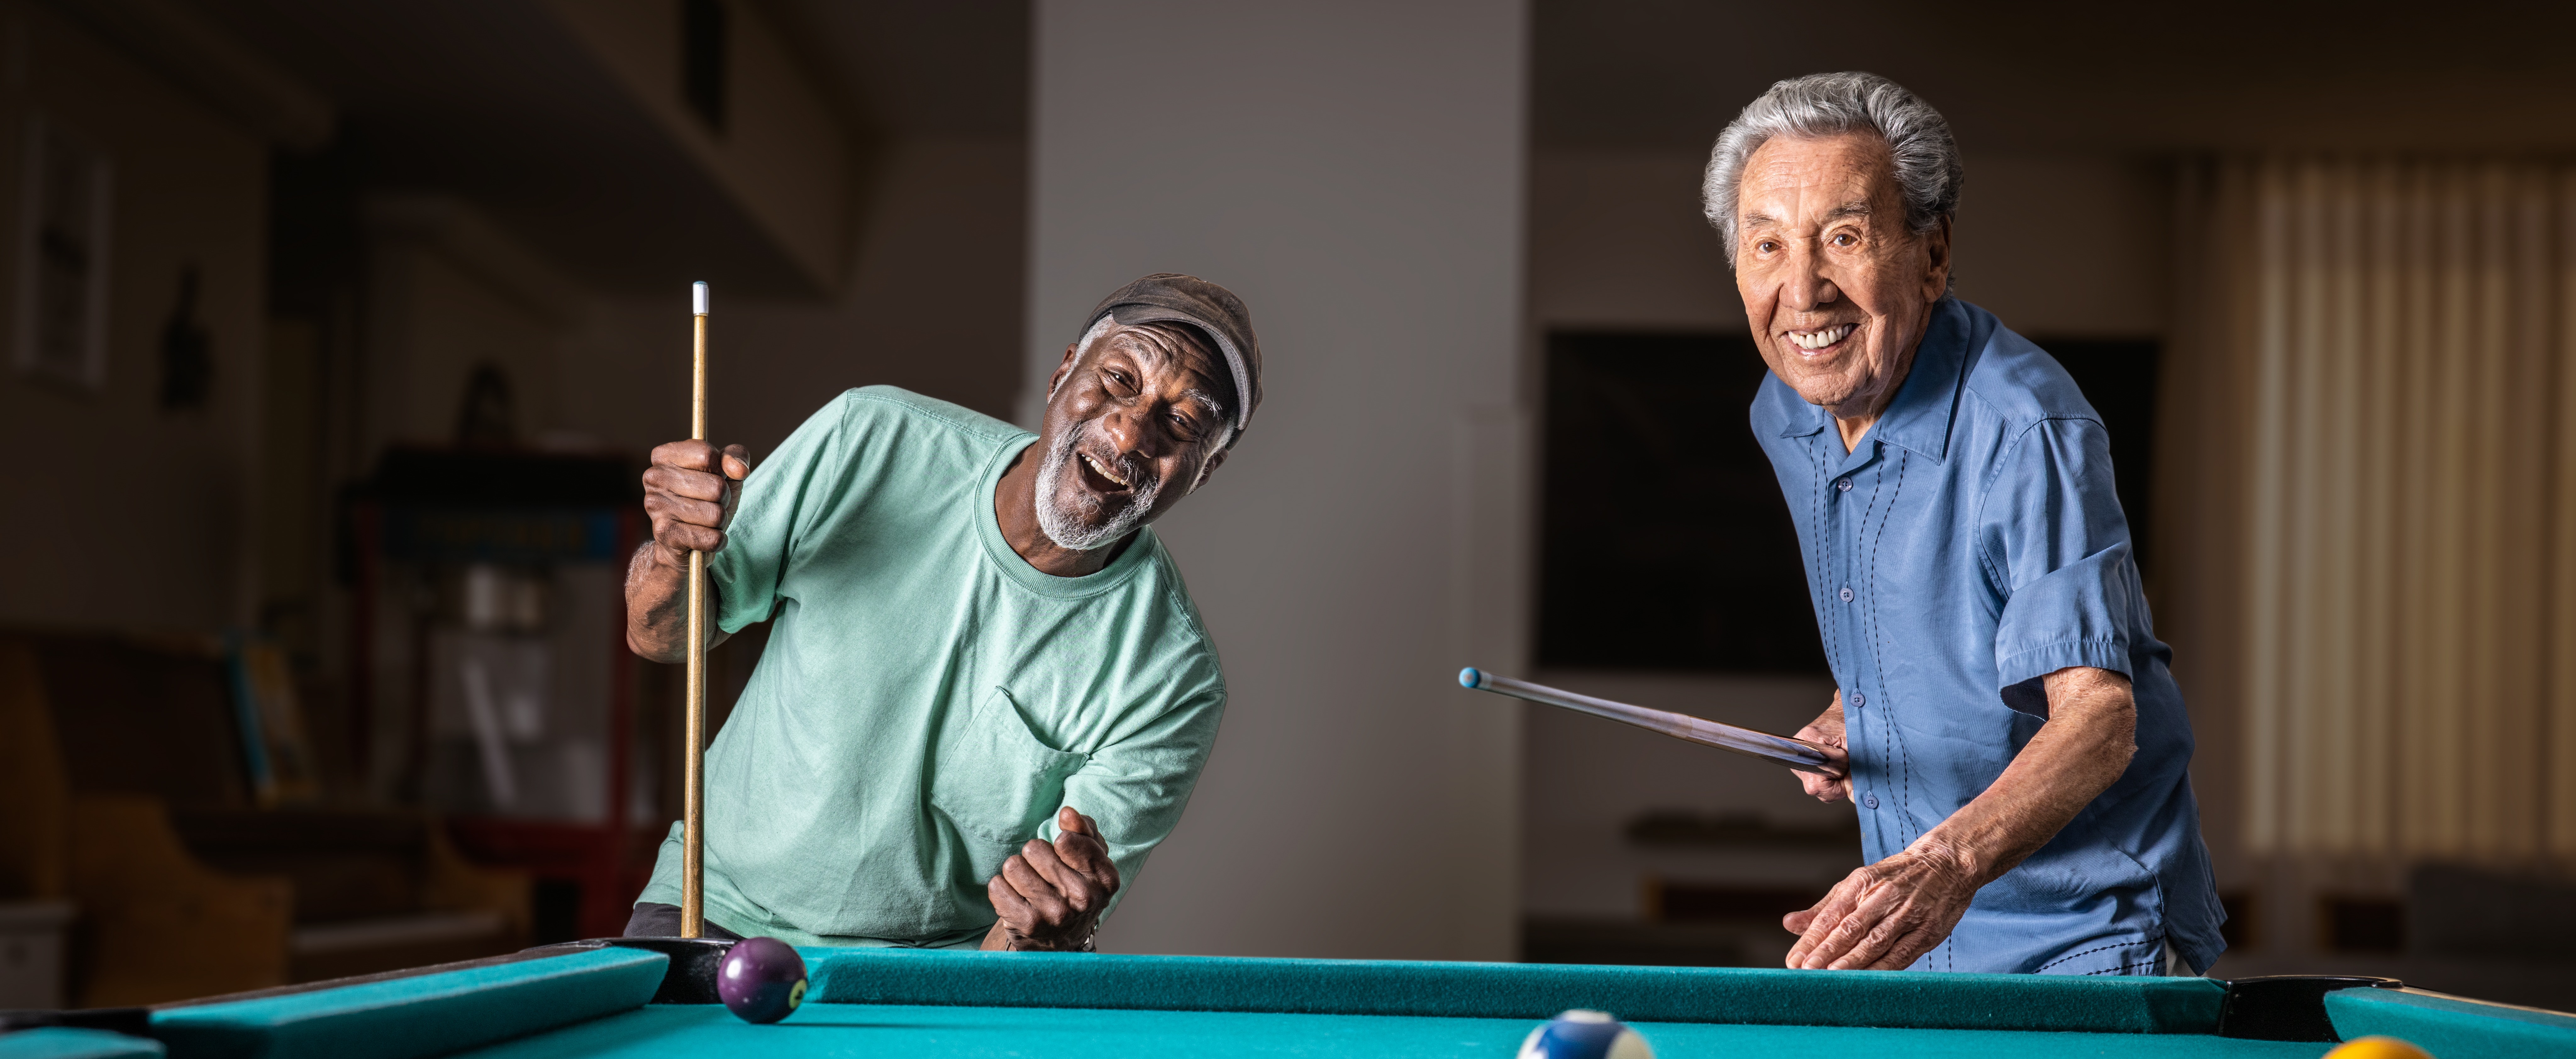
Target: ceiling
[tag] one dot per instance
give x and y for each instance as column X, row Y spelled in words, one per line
column 493, row 100
column 1657, row 74
column 921, row 67
column 496, row 102
column 2126, row 77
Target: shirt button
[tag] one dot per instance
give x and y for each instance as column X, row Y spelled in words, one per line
column 1847, row 593
column 1858, row 700
column 1870, row 800
column 1843, row 484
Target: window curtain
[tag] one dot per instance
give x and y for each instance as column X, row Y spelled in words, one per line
column 2370, row 437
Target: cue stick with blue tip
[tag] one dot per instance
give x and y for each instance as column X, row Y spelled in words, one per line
column 1777, row 749
column 694, row 761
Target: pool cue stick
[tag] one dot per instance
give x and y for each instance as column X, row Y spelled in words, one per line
column 694, row 763
column 1797, row 754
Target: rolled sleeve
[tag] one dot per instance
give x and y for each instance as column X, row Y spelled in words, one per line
column 778, row 502
column 2057, row 544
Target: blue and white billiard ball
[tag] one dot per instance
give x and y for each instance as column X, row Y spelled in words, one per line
column 1585, row 1035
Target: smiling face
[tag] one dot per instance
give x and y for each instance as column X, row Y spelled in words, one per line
column 1134, row 423
column 1835, row 286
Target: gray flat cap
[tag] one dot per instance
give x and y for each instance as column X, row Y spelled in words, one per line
column 1170, row 297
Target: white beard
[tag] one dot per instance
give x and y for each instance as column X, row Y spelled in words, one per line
column 1063, row 517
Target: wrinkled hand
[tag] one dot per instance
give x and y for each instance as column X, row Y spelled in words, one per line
column 1827, row 730
column 689, row 501
column 1883, row 916
column 1050, row 896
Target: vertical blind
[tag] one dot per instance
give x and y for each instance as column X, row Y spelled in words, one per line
column 2404, row 442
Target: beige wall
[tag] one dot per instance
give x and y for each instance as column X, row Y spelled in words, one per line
column 1616, row 242
column 129, row 515
column 2067, row 246
column 1363, row 192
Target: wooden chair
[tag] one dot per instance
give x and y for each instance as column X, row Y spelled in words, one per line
column 122, row 775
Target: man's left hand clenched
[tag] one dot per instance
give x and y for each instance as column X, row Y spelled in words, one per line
column 1883, row 916
column 1050, row 895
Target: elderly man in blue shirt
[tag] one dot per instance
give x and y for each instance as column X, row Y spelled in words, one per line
column 2018, row 750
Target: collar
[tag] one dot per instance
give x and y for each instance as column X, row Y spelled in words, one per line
column 1918, row 419
column 1004, row 558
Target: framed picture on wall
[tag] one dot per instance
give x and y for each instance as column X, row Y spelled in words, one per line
column 67, row 198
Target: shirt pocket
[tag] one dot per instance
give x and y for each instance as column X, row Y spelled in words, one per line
column 997, row 781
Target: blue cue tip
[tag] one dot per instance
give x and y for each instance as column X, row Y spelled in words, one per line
column 1469, row 678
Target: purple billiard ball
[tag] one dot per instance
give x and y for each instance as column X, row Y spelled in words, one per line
column 762, row 980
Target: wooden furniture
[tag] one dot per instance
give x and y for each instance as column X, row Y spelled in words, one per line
column 421, row 524
column 123, row 775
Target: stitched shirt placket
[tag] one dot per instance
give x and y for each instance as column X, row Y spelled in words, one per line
column 1904, row 763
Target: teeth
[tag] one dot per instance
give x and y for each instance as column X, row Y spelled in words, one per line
column 1102, row 471
column 1821, row 339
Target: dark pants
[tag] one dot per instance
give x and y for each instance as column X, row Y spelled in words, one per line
column 652, row 920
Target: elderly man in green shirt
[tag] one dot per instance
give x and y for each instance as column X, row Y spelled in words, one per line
column 986, row 694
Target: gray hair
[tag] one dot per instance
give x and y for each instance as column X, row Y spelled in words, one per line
column 1818, row 105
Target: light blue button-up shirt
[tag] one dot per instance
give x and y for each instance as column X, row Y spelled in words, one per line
column 1970, row 546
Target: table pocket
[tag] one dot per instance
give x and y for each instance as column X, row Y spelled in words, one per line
column 997, row 780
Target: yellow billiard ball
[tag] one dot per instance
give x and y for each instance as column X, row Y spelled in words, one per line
column 2378, row 1048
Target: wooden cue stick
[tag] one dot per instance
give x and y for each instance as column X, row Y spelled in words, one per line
column 1797, row 754
column 693, row 762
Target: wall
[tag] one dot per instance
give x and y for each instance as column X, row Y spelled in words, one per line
column 2063, row 245
column 1616, row 243
column 135, row 516
column 2056, row 245
column 1588, row 778
column 783, row 153
column 2067, row 246
column 932, row 304
column 1354, row 171
column 446, row 293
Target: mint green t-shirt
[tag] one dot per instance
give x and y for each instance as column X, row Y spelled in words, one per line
column 928, row 700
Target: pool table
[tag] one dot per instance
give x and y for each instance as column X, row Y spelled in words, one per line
column 650, row 999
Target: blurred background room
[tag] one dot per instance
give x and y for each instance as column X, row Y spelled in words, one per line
column 337, row 333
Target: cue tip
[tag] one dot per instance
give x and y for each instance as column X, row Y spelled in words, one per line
column 698, row 298
column 1471, row 679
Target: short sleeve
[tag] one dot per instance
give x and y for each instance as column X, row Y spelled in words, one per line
column 779, row 501
column 1137, row 786
column 2056, row 545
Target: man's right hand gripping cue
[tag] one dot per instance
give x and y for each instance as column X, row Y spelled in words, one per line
column 689, row 493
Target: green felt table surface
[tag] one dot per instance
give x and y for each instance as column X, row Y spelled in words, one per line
column 54, row 1042
column 588, row 1000
column 820, row 1030
column 2452, row 1027
column 1770, row 996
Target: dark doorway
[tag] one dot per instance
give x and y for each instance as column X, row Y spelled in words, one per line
column 2118, row 376
column 1664, row 541
column 1664, row 544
